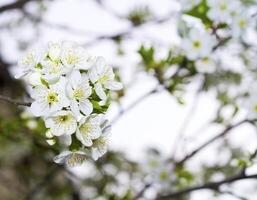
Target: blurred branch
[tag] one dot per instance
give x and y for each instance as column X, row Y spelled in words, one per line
column 129, row 30
column 211, row 186
column 213, row 139
column 135, row 103
column 14, row 5
column 233, row 194
column 15, row 102
column 187, row 121
column 142, row 191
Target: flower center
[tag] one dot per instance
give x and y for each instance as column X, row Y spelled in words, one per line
column 197, row 44
column 63, row 118
column 103, row 79
column 255, row 107
column 242, row 23
column 52, row 97
column 72, row 58
column 78, row 94
column 86, row 128
column 223, row 7
column 163, row 175
column 30, row 58
column 76, row 159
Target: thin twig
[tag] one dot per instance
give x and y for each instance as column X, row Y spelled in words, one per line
column 15, row 102
column 186, row 122
column 134, row 104
column 205, row 144
column 211, row 186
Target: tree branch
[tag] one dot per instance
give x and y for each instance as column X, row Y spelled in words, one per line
column 210, row 186
column 15, row 5
column 222, row 134
column 15, row 102
column 134, row 104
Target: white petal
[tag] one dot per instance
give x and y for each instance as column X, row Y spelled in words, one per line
column 86, row 107
column 62, row 157
column 49, row 122
column 85, row 140
column 75, row 78
column 95, row 154
column 75, row 107
column 113, row 85
column 100, row 91
column 65, row 139
column 35, row 109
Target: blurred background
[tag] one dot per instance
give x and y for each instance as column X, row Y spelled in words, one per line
column 168, row 109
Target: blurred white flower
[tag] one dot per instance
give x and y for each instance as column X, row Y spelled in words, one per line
column 61, row 123
column 189, row 4
column 205, row 65
column 240, row 24
column 34, row 78
column 102, row 77
column 54, row 51
column 198, row 44
column 52, row 70
column 89, row 129
column 100, row 145
column 78, row 91
column 73, row 56
column 49, row 100
column 221, row 11
column 32, row 124
column 71, row 159
column 30, row 63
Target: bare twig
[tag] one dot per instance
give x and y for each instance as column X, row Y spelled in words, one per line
column 211, row 186
column 134, row 104
column 15, row 102
column 186, row 121
column 205, row 144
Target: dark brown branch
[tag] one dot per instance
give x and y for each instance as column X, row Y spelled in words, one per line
column 15, row 102
column 210, row 186
column 205, row 144
column 15, row 5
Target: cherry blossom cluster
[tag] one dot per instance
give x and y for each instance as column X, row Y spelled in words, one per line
column 71, row 92
column 199, row 41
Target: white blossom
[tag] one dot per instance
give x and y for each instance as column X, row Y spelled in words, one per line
column 78, row 91
column 63, row 80
column 70, row 158
column 206, row 65
column 240, row 24
column 49, row 100
column 100, row 145
column 102, row 76
column 189, row 4
column 30, row 63
column 73, row 56
column 61, row 123
column 221, row 11
column 89, row 129
column 198, row 44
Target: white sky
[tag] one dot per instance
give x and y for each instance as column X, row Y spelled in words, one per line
column 156, row 121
